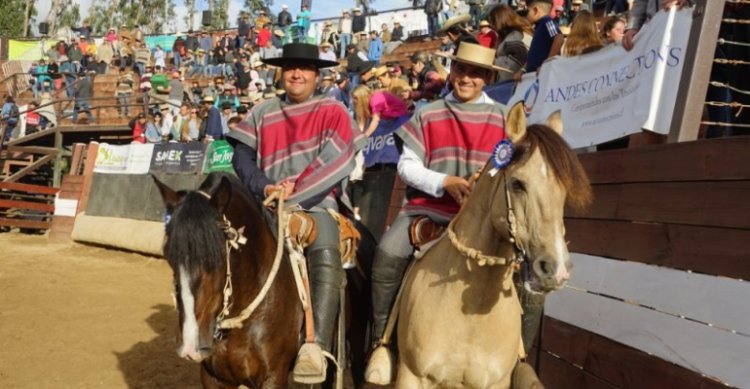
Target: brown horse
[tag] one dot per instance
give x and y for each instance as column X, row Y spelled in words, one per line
column 460, row 318
column 204, row 231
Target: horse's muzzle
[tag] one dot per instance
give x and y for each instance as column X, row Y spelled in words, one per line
column 193, row 354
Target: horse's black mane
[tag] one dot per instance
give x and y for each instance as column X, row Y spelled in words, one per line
column 195, row 238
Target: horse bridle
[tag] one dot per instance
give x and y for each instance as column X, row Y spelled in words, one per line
column 519, row 251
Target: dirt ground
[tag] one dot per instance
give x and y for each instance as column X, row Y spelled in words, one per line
column 77, row 316
column 74, row 316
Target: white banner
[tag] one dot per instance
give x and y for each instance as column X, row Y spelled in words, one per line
column 612, row 93
column 133, row 158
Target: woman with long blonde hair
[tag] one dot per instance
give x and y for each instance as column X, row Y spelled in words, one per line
column 378, row 114
column 584, row 36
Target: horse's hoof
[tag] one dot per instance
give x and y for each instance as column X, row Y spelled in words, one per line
column 380, row 368
column 310, row 366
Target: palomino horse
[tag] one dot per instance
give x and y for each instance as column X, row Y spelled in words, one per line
column 460, row 318
column 217, row 237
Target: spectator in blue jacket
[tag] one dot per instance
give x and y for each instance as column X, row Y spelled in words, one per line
column 213, row 119
column 375, row 51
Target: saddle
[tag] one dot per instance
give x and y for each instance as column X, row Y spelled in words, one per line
column 303, row 232
column 424, row 231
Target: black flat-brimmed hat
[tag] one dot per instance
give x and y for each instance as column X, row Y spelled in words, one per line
column 304, row 53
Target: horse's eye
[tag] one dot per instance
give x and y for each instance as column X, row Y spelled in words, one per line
column 517, row 185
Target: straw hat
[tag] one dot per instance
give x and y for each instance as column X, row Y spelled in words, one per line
column 356, row 9
column 325, row 44
column 476, row 55
column 484, row 23
column 278, row 33
column 381, row 70
column 208, row 99
column 455, row 21
column 328, row 23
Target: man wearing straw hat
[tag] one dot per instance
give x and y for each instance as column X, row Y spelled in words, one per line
column 444, row 143
column 303, row 145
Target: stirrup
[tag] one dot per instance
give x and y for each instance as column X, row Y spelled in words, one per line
column 311, row 364
column 380, row 367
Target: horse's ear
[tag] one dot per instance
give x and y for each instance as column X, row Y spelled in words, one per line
column 170, row 197
column 554, row 121
column 222, row 194
column 516, row 124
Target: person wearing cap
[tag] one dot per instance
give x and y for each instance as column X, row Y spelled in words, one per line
column 547, row 40
column 303, row 23
column 284, row 19
column 345, row 31
column 326, row 53
column 123, row 91
column 227, row 96
column 362, row 43
column 358, row 22
column 242, row 110
column 138, row 126
column 340, row 90
column 68, row 73
column 181, row 124
column 226, row 114
column 487, row 37
column 84, row 90
column 308, row 155
column 76, row 56
column 444, row 143
column 206, row 44
column 330, row 36
column 375, row 48
column 385, row 34
column 213, row 128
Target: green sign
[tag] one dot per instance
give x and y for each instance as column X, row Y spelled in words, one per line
column 219, row 157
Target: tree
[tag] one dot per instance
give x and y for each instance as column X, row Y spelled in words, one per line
column 12, row 17
column 63, row 13
column 190, row 16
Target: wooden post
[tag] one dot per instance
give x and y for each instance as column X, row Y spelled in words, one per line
column 691, row 95
column 88, row 175
column 57, row 172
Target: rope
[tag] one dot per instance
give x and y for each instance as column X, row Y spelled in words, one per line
column 723, row 41
column 735, row 21
column 236, row 322
column 733, row 104
column 725, row 124
column 477, row 255
column 723, row 85
column 730, row 61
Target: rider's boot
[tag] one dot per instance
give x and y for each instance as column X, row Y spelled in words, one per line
column 387, row 274
column 532, row 305
column 326, row 281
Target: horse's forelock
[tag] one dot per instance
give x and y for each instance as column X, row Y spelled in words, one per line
column 560, row 158
column 194, row 238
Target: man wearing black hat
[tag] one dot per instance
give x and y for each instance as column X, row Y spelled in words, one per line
column 303, row 145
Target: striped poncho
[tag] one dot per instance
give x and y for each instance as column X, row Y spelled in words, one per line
column 311, row 143
column 453, row 138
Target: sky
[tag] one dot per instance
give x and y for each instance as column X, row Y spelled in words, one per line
column 320, row 8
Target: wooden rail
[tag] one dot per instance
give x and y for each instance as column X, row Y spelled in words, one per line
column 26, row 206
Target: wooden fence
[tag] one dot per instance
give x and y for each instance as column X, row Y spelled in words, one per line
column 26, row 206
column 657, row 297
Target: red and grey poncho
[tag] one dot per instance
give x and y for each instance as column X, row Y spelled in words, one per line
column 453, row 138
column 311, row 143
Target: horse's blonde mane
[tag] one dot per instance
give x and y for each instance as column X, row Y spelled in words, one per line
column 560, row 158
